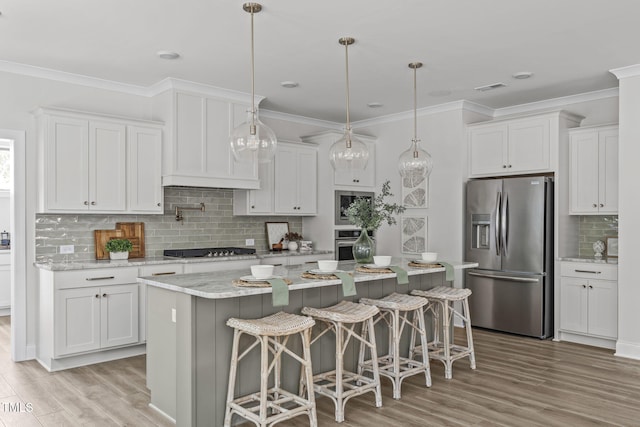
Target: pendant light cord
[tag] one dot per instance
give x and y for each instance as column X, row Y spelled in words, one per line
column 252, row 128
column 415, row 113
column 346, row 57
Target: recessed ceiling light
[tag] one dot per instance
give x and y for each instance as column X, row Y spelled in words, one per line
column 289, row 84
column 522, row 75
column 375, row 104
column 167, row 54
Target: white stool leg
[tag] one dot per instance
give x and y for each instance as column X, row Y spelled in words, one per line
column 467, row 326
column 264, row 378
column 419, row 317
column 446, row 340
column 394, row 350
column 232, row 376
column 374, row 361
column 339, row 369
column 308, row 375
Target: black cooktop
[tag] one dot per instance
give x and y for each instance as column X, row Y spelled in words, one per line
column 208, row 252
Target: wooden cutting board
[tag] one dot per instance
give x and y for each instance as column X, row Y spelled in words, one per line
column 134, row 231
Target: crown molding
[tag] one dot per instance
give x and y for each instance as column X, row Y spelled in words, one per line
column 624, row 72
column 556, row 103
column 171, row 83
column 62, row 76
column 276, row 115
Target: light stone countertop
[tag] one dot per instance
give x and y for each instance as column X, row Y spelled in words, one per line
column 592, row 260
column 136, row 262
column 219, row 286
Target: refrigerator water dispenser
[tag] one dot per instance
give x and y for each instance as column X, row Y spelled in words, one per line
column 481, row 225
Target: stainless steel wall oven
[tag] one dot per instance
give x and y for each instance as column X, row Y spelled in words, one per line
column 344, row 243
column 342, row 201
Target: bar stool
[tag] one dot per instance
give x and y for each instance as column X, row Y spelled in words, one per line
column 271, row 405
column 339, row 384
column 395, row 310
column 445, row 350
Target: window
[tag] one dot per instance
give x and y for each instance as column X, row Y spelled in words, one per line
column 5, row 168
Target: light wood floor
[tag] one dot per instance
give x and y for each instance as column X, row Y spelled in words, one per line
column 519, row 382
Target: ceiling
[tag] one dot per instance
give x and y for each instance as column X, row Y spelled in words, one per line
column 569, row 45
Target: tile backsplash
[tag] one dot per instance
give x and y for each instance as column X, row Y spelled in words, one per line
column 214, row 227
column 596, row 227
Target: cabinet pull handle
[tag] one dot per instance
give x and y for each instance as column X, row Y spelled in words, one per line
column 159, row 204
column 602, row 205
column 93, row 203
column 91, row 279
column 104, row 295
column 584, row 286
column 167, row 273
column 590, row 287
column 86, row 203
column 595, row 206
column 588, row 271
column 311, row 262
column 97, row 295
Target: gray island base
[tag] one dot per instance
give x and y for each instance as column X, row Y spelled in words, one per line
column 189, row 344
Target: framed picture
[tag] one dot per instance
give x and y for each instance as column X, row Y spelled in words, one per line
column 414, row 234
column 612, row 246
column 276, row 232
column 415, row 192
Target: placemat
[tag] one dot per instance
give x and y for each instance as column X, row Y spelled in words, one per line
column 401, row 274
column 448, row 268
column 280, row 293
column 261, row 284
column 348, row 285
column 327, row 276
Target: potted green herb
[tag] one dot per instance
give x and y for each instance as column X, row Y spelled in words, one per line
column 118, row 248
column 370, row 214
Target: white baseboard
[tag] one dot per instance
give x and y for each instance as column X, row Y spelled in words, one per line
column 53, row 365
column 629, row 350
column 586, row 340
column 161, row 412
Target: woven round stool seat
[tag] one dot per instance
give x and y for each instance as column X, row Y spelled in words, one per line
column 395, row 301
column 278, row 324
column 344, row 312
column 444, row 293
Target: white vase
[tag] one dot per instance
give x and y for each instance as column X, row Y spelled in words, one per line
column 119, row 255
column 292, row 246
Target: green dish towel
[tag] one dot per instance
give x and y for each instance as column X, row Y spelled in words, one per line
column 280, row 294
column 348, row 286
column 401, row 273
column 448, row 271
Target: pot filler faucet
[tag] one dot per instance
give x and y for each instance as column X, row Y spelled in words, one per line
column 179, row 210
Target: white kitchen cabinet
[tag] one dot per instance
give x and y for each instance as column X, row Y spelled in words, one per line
column 594, row 170
column 518, row 145
column 88, row 316
column 144, row 170
column 84, row 165
column 198, row 153
column 296, row 177
column 152, row 270
column 588, row 302
column 5, row 279
column 260, row 201
column 88, row 319
column 357, row 178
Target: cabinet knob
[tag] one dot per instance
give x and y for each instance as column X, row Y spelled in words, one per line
column 104, row 295
column 509, row 165
column 504, row 166
column 602, row 205
column 595, row 206
column 93, row 203
column 253, row 206
column 86, row 203
column 97, row 295
column 590, row 287
column 159, row 204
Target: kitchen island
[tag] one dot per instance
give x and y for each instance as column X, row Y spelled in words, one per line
column 189, row 344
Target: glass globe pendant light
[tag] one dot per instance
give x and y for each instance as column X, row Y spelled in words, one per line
column 415, row 163
column 253, row 140
column 348, row 153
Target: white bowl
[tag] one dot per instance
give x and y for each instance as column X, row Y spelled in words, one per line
column 262, row 271
column 327, row 265
column 429, row 256
column 381, row 260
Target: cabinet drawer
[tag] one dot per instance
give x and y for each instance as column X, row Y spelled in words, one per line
column 587, row 270
column 97, row 277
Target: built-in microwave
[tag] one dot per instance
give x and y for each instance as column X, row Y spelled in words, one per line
column 344, row 240
column 343, row 200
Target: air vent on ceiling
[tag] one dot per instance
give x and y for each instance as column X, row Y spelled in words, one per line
column 490, row 87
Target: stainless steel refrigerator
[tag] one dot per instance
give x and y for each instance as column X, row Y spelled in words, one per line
column 509, row 232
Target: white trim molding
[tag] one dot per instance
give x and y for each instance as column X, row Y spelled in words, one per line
column 276, row 115
column 624, row 72
column 556, row 103
column 628, row 350
column 214, row 91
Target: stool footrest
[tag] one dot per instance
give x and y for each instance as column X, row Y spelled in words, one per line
column 281, row 403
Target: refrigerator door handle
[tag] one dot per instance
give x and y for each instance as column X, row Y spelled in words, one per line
column 497, row 222
column 504, row 224
column 513, row 279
